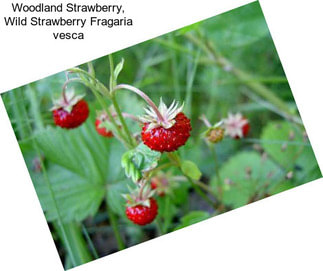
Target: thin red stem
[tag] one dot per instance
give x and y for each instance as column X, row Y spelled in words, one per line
column 145, row 97
column 127, row 115
column 142, row 189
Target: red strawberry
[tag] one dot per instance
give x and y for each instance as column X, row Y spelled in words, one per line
column 73, row 119
column 141, row 214
column 102, row 130
column 166, row 134
column 101, row 118
column 160, row 184
column 236, row 126
column 153, row 184
column 245, row 129
column 70, row 111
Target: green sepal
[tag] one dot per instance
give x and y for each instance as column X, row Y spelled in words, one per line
column 118, row 69
column 139, row 160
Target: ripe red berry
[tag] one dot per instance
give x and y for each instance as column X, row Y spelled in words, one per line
column 74, row 118
column 167, row 140
column 102, row 130
column 153, row 184
column 245, row 130
column 142, row 215
column 160, row 184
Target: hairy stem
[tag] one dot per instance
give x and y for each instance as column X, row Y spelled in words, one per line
column 130, row 139
column 112, row 84
column 67, row 83
column 144, row 96
column 98, row 88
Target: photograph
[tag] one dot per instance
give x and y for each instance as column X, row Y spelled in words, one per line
column 161, row 135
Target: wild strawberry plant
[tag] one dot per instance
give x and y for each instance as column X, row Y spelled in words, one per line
column 189, row 126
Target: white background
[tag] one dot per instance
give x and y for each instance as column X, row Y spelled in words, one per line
column 283, row 232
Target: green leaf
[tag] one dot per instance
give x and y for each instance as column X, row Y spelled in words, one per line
column 82, row 151
column 188, row 28
column 282, row 186
column 76, row 241
column 246, row 173
column 191, row 170
column 192, row 218
column 239, row 27
column 118, row 69
column 79, row 164
column 286, row 144
column 139, row 160
column 131, row 170
column 114, row 196
column 180, row 193
column 166, row 211
column 76, row 197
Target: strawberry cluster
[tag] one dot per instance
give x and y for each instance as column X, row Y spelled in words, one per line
column 164, row 129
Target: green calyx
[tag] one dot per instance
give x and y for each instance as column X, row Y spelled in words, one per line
column 66, row 101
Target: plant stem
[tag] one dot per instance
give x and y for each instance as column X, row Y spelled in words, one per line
column 112, row 79
column 32, row 95
column 91, row 69
column 112, row 85
column 244, row 77
column 76, row 241
column 201, row 193
column 163, row 166
column 191, row 71
column 167, row 219
column 177, row 161
column 217, row 173
column 89, row 241
column 205, row 121
column 132, row 117
column 95, row 83
column 158, row 227
column 130, row 139
column 98, row 88
column 119, row 134
column 19, row 114
column 144, row 96
column 114, row 224
column 205, row 187
column 51, row 192
column 68, row 82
